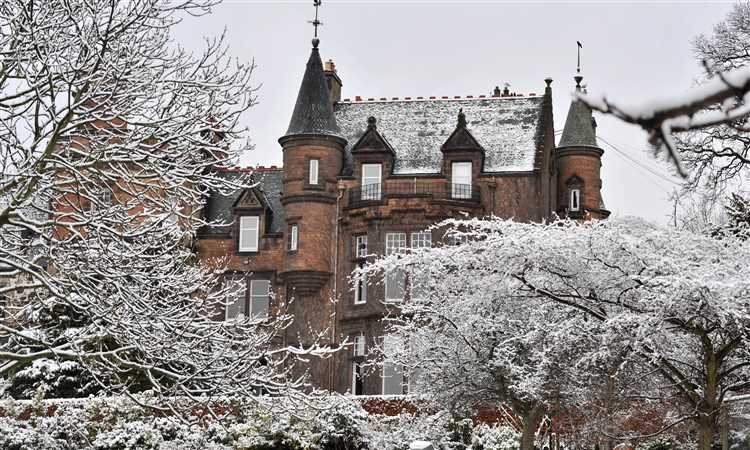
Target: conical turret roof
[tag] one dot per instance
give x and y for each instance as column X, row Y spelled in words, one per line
column 313, row 112
column 579, row 126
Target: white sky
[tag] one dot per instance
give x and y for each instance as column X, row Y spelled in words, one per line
column 630, row 51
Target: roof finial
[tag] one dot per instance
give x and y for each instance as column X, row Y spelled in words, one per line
column 316, row 23
column 461, row 118
column 371, row 122
column 578, row 76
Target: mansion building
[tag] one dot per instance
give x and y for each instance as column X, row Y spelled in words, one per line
column 367, row 177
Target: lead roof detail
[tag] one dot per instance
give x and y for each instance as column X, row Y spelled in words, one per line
column 508, row 128
column 313, row 112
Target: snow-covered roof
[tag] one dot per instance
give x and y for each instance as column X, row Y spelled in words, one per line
column 269, row 181
column 508, row 128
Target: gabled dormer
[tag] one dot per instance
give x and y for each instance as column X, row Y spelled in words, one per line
column 370, row 149
column 462, row 152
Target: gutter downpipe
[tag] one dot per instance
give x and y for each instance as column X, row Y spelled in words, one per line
column 331, row 375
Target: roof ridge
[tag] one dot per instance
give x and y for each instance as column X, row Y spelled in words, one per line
column 248, row 169
column 512, row 96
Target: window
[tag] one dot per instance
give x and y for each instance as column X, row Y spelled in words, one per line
column 313, row 171
column 575, row 199
column 248, row 239
column 360, row 284
column 421, row 239
column 461, row 182
column 359, row 345
column 235, row 297
column 360, row 287
column 358, row 376
column 393, row 374
column 293, row 237
column 358, row 351
column 394, row 279
column 371, row 179
column 360, row 246
column 260, row 296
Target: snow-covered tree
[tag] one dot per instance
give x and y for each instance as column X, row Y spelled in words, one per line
column 110, row 135
column 703, row 131
column 662, row 311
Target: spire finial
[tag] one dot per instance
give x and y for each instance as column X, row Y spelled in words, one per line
column 580, row 46
column 316, row 23
column 461, row 118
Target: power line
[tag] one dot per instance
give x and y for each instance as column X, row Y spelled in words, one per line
column 638, row 163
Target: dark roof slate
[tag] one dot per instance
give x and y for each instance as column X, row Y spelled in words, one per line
column 220, row 207
column 313, row 112
column 579, row 127
column 508, row 128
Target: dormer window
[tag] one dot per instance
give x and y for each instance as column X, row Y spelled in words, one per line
column 575, row 200
column 461, row 180
column 371, row 179
column 313, row 171
column 248, row 233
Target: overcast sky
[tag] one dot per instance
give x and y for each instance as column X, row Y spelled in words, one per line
column 630, row 51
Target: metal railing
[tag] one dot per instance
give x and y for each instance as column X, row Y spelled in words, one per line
column 378, row 193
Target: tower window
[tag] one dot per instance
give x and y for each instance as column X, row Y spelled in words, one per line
column 313, row 171
column 248, row 236
column 575, row 199
column 293, row 237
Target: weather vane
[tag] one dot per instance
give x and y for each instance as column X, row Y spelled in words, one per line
column 578, row 70
column 316, row 22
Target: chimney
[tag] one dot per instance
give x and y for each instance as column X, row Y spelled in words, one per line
column 333, row 81
column 496, row 92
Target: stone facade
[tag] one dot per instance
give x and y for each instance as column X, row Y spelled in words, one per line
column 381, row 172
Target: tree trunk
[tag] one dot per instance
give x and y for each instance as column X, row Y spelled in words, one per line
column 529, row 423
column 706, row 433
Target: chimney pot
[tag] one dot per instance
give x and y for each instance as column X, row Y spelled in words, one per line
column 357, row 98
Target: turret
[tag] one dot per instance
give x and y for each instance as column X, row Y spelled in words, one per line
column 313, row 158
column 578, row 160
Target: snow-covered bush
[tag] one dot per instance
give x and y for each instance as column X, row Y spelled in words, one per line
column 494, row 437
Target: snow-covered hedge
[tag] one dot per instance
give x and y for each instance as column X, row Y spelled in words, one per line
column 118, row 424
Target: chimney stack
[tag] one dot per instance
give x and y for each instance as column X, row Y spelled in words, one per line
column 333, row 81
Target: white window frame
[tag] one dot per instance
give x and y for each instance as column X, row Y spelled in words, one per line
column 266, row 297
column 360, row 288
column 421, row 239
column 293, row 237
column 248, row 224
column 460, row 179
column 313, row 167
column 356, row 366
column 358, row 349
column 575, row 200
column 242, row 300
column 371, row 184
column 395, row 242
column 393, row 367
column 360, row 246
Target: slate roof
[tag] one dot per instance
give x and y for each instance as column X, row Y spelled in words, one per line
column 313, row 112
column 579, row 128
column 508, row 128
column 219, row 207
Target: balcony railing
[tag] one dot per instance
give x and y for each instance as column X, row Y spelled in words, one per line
column 377, row 193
